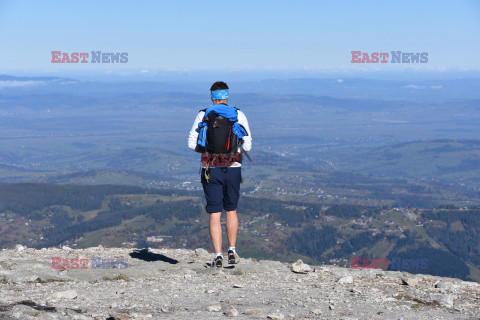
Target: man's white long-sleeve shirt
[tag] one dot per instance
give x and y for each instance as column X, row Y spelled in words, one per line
column 242, row 119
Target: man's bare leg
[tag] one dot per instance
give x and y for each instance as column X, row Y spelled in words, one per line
column 216, row 231
column 232, row 227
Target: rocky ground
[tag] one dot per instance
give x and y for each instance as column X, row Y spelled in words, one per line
column 179, row 284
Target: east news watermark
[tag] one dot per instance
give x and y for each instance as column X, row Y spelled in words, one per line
column 94, row 262
column 89, row 57
column 389, row 57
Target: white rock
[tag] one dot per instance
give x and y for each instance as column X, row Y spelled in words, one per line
column 22, row 312
column 275, row 316
column 201, row 252
column 444, row 285
column 249, row 312
column 300, row 267
column 19, row 247
column 443, row 299
column 409, row 281
column 344, row 280
column 67, row 294
column 231, row 312
column 214, row 308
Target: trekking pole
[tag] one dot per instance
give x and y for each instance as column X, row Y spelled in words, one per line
column 243, row 151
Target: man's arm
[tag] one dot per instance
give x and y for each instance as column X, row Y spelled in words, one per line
column 193, row 135
column 247, row 140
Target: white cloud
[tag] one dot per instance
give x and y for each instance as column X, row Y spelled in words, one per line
column 69, row 82
column 17, row 84
column 413, row 86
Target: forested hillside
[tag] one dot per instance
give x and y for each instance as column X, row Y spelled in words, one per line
column 445, row 239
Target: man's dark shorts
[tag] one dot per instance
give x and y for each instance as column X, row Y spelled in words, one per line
column 223, row 188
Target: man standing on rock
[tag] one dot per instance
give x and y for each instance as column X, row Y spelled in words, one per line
column 221, row 134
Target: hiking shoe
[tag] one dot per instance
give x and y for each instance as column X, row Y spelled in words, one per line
column 232, row 257
column 218, row 262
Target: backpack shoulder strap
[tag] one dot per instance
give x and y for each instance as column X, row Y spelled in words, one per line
column 204, row 110
column 237, row 111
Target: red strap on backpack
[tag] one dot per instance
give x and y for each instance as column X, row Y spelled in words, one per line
column 220, row 159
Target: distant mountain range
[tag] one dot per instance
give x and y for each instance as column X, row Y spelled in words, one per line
column 358, row 88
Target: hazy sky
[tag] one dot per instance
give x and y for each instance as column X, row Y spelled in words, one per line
column 238, row 35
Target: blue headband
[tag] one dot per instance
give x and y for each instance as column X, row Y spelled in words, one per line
column 220, row 94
